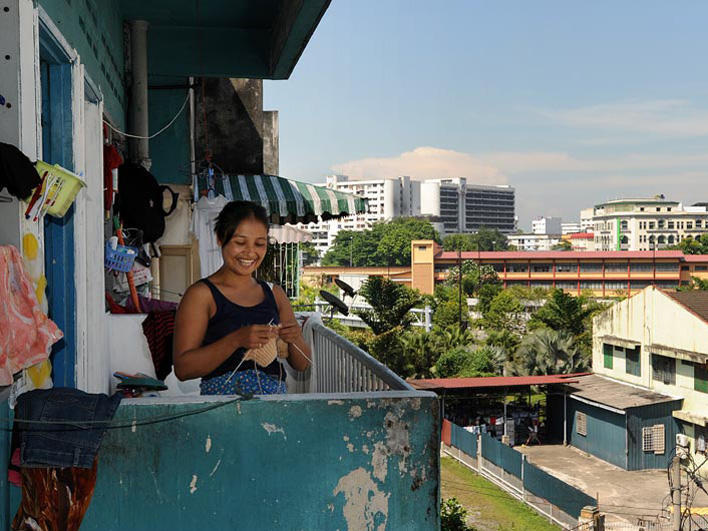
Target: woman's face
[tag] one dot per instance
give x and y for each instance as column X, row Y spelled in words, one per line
column 245, row 251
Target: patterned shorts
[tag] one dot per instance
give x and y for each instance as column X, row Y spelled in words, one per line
column 251, row 381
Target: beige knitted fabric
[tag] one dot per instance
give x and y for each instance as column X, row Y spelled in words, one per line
column 264, row 355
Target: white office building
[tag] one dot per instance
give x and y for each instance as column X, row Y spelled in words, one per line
column 466, row 208
column 533, row 242
column 644, row 224
column 570, row 227
column 546, row 225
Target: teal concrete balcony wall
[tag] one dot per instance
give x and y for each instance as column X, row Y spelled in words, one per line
column 345, row 461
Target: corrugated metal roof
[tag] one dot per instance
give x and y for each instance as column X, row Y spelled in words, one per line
column 493, row 381
column 582, row 236
column 696, row 258
column 560, row 255
column 618, row 395
column 696, row 301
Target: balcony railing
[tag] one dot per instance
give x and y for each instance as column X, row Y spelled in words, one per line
column 339, row 366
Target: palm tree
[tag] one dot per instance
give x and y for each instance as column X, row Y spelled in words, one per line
column 547, row 351
column 563, row 311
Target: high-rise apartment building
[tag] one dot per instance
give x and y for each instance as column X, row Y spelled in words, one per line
column 466, row 208
column 546, row 225
column 387, row 199
column 645, row 224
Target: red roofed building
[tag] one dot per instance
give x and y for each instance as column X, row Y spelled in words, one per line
column 605, row 273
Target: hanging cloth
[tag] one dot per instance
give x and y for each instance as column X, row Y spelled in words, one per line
column 26, row 333
column 203, row 221
column 17, row 172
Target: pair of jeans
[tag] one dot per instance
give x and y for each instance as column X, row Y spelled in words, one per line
column 63, row 433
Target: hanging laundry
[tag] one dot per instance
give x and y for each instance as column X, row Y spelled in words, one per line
column 17, row 172
column 158, row 328
column 26, row 333
column 111, row 161
column 58, row 460
column 203, row 221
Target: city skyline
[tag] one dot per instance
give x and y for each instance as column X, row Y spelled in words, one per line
column 571, row 104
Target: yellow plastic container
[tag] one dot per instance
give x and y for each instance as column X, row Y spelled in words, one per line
column 63, row 187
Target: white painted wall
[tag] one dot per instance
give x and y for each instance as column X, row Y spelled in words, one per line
column 652, row 317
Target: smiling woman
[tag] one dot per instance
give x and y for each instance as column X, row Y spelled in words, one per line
column 230, row 317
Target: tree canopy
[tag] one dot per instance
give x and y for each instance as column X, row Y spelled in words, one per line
column 390, row 304
column 483, row 240
column 386, row 243
column 698, row 245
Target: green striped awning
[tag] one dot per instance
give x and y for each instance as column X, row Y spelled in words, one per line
column 288, row 201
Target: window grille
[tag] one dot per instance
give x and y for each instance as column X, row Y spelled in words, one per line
column 653, row 439
column 581, row 423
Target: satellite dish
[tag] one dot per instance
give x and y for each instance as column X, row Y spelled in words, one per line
column 346, row 288
column 335, row 302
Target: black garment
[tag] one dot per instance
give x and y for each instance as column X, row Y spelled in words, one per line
column 140, row 200
column 230, row 316
column 74, row 442
column 17, row 172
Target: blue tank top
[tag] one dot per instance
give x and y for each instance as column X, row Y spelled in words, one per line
column 230, row 316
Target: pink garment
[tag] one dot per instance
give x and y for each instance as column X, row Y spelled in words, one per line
column 26, row 333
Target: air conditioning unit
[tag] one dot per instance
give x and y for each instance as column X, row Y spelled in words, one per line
column 682, row 445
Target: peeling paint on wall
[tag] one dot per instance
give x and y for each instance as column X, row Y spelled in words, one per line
column 355, row 412
column 207, row 444
column 365, row 506
column 397, row 439
column 379, row 461
column 193, row 485
column 272, row 428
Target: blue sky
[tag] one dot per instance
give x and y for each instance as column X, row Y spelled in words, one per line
column 571, row 102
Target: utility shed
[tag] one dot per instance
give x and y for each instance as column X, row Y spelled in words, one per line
column 623, row 424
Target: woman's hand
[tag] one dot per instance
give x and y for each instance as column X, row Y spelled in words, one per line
column 255, row 336
column 290, row 331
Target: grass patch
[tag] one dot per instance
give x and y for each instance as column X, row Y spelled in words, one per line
column 489, row 508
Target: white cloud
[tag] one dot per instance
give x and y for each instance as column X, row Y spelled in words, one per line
column 673, row 118
column 529, row 162
column 423, row 163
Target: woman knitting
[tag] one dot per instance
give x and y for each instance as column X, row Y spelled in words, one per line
column 231, row 315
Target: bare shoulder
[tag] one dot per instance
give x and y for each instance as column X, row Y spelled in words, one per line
column 279, row 294
column 198, row 295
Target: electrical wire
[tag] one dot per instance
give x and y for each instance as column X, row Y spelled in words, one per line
column 162, row 130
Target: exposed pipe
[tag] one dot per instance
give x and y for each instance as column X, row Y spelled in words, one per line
column 139, row 147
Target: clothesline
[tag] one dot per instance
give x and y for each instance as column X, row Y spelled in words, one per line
column 112, row 425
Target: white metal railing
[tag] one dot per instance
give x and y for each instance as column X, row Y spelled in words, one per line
column 422, row 317
column 339, row 366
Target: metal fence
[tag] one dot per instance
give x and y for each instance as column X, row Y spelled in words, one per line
column 559, row 502
column 339, row 366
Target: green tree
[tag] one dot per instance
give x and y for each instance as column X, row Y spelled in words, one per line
column 355, row 247
column 563, row 245
column 568, row 313
column 483, row 240
column 563, row 312
column 695, row 284
column 453, row 516
column 474, row 277
column 309, row 252
column 458, row 242
column 390, row 303
column 466, row 361
column 386, row 243
column 546, row 351
column 506, row 313
column 394, row 239
column 698, row 245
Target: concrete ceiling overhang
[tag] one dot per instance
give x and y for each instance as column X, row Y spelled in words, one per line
column 261, row 39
